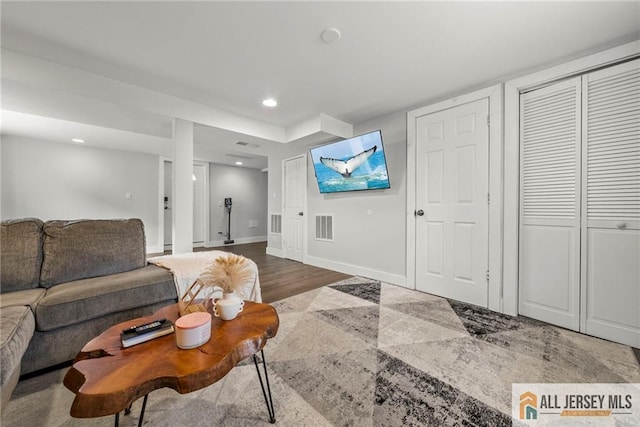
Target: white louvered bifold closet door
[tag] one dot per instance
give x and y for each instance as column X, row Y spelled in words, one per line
column 611, row 201
column 550, row 129
column 580, row 203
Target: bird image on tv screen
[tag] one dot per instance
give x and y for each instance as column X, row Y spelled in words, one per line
column 352, row 164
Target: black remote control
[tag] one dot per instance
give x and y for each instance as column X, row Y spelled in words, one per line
column 148, row 326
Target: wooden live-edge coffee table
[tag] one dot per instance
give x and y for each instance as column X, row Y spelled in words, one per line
column 107, row 378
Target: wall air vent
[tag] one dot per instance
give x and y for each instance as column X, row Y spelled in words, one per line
column 324, row 228
column 276, row 223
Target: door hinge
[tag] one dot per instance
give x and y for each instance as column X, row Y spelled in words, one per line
column 487, row 275
column 488, row 121
column 488, row 198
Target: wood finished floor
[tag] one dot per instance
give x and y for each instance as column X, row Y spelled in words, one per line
column 279, row 277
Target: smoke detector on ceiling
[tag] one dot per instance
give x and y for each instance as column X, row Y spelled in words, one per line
column 330, row 35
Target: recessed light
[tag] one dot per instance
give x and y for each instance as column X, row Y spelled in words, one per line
column 239, row 163
column 78, row 140
column 270, row 102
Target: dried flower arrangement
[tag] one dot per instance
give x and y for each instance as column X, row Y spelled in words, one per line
column 228, row 273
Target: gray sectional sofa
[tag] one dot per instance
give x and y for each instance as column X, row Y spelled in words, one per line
column 64, row 282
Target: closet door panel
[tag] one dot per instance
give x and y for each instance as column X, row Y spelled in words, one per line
column 611, row 203
column 548, row 272
column 550, row 204
column 613, row 275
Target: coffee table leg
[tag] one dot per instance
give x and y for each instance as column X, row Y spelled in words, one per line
column 144, row 406
column 127, row 411
column 269, row 401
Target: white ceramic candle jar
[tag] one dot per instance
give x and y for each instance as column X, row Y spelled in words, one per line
column 193, row 329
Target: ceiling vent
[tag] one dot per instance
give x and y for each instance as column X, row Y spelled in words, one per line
column 247, row 144
column 240, row 156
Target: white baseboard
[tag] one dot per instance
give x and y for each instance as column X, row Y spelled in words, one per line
column 356, row 270
column 167, row 247
column 155, row 249
column 275, row 252
column 239, row 241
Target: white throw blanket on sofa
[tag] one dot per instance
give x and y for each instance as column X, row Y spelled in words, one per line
column 187, row 267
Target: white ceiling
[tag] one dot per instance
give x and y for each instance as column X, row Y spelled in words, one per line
column 230, row 55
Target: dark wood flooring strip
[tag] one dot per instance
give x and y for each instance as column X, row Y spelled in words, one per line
column 279, row 277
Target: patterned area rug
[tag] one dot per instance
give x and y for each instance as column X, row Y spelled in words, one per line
column 365, row 353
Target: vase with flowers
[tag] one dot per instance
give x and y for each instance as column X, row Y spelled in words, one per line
column 227, row 273
column 222, row 277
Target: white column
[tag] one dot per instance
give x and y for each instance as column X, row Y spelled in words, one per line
column 182, row 186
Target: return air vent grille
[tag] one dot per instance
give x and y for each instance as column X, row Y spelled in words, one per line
column 276, row 223
column 324, row 227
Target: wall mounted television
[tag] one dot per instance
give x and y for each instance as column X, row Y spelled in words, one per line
column 353, row 164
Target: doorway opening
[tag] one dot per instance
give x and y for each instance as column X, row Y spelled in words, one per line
column 200, row 203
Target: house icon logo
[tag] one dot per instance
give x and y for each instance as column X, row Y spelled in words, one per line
column 528, row 406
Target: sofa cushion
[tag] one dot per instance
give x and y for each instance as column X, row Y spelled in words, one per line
column 30, row 298
column 82, row 249
column 20, row 253
column 15, row 334
column 81, row 300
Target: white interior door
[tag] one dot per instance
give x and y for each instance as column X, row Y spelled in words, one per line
column 295, row 187
column 452, row 175
column 611, row 203
column 550, row 204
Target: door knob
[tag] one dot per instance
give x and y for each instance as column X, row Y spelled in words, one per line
column 300, row 213
column 419, row 212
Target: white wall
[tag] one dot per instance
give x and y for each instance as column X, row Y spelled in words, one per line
column 50, row 180
column 248, row 190
column 369, row 226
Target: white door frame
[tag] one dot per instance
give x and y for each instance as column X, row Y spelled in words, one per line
column 512, row 91
column 205, row 207
column 304, row 206
column 207, row 192
column 494, row 94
